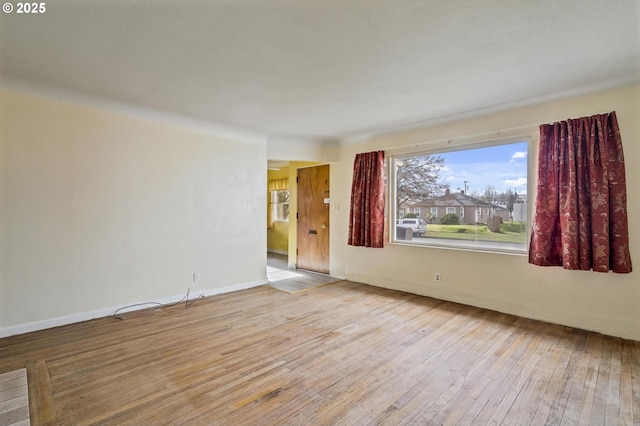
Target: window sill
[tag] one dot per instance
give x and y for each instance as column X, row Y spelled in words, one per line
column 480, row 247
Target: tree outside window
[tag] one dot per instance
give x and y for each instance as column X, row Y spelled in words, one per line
column 280, row 205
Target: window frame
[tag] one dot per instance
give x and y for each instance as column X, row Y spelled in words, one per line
column 275, row 205
column 442, row 147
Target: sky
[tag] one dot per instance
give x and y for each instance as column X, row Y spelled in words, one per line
column 502, row 166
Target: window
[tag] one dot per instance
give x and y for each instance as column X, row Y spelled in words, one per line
column 481, row 188
column 416, row 211
column 280, row 205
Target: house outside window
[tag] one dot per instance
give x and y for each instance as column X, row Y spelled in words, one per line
column 491, row 180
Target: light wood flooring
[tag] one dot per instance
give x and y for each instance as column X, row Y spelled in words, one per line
column 342, row 354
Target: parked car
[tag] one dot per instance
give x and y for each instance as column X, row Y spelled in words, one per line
column 417, row 225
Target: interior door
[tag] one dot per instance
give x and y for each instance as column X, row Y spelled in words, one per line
column 313, row 219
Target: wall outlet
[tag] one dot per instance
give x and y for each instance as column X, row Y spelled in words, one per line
column 437, row 278
column 196, row 277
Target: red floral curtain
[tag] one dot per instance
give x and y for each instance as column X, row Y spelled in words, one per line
column 580, row 218
column 366, row 217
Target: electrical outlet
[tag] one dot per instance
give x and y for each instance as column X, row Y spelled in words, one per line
column 196, row 277
column 437, row 278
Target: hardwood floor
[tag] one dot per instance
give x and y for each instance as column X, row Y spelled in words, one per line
column 346, row 353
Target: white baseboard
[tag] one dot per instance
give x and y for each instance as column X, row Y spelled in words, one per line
column 234, row 287
column 276, row 251
column 100, row 313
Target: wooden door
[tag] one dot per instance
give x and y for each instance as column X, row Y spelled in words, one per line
column 313, row 219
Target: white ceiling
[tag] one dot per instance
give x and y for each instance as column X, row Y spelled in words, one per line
column 322, row 69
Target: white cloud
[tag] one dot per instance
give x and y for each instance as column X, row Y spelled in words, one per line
column 516, row 182
column 518, row 155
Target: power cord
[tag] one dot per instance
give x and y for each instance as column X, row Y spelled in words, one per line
column 163, row 305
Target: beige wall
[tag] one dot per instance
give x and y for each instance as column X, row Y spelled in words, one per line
column 301, row 149
column 608, row 303
column 100, row 210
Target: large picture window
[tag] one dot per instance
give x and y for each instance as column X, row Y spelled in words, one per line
column 476, row 196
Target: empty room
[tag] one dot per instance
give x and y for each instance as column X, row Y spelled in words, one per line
column 319, row 212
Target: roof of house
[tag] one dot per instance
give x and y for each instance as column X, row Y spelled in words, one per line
column 455, row 199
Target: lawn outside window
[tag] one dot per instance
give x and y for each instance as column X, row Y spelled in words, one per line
column 476, row 195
